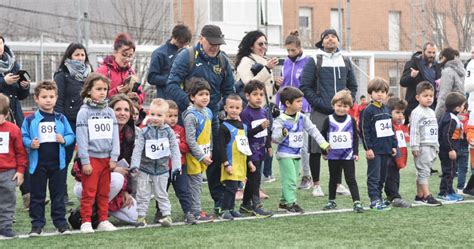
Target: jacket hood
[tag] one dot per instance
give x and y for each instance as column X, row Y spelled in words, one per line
column 326, row 54
column 457, row 66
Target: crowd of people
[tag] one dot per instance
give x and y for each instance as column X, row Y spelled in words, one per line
column 125, row 155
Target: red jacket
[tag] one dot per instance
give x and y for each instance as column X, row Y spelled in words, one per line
column 181, row 138
column 16, row 157
column 117, row 75
column 402, row 156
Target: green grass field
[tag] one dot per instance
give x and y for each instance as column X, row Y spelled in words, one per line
column 426, row 227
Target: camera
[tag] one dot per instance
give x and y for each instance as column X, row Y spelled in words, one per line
column 24, row 76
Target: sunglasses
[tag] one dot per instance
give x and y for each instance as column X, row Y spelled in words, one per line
column 261, row 44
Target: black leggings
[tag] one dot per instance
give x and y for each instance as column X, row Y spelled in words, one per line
column 335, row 173
column 315, row 166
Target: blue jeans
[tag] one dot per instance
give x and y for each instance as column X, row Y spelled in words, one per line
column 376, row 175
column 267, row 165
column 462, row 164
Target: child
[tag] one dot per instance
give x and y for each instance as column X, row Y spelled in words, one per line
column 378, row 139
column 288, row 134
column 450, row 134
column 424, row 142
column 462, row 153
column 233, row 136
column 154, row 147
column 98, row 150
column 197, row 123
column 45, row 136
column 340, row 129
column 13, row 163
column 392, row 181
column 255, row 118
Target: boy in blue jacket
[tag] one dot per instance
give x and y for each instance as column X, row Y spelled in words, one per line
column 379, row 140
column 45, row 136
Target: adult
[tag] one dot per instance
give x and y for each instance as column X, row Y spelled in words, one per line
column 421, row 67
column 320, row 80
column 117, row 67
column 163, row 57
column 122, row 205
column 291, row 74
column 15, row 90
column 452, row 78
column 469, row 81
column 72, row 72
column 211, row 64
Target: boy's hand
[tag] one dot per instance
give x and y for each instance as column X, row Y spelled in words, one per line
column 415, row 153
column 175, row 173
column 356, row 158
column 112, row 165
column 60, row 139
column 252, row 167
column 452, row 155
column 35, row 144
column 284, row 132
column 394, row 152
column 18, row 177
column 265, row 124
column 270, row 151
column 87, row 169
column 228, row 169
column 369, row 154
column 207, row 160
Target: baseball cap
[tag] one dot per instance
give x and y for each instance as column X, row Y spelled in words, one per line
column 213, row 34
column 326, row 32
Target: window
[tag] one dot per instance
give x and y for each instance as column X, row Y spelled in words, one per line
column 335, row 22
column 438, row 29
column 394, row 31
column 305, row 25
column 394, row 79
column 216, row 10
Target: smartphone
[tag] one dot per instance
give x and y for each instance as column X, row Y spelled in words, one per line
column 281, row 61
column 24, row 75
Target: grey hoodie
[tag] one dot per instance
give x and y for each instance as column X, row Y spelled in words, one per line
column 452, row 80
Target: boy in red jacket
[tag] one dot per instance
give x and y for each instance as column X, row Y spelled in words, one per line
column 13, row 163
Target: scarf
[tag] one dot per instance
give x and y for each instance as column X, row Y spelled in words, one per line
column 77, row 69
column 7, row 60
column 98, row 104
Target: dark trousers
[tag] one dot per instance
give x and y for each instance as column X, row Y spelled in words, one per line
column 252, row 187
column 335, row 173
column 213, row 172
column 25, row 187
column 39, row 180
column 315, row 166
column 181, row 189
column 470, row 183
column 392, row 181
column 448, row 168
column 267, row 165
column 376, row 174
column 230, row 188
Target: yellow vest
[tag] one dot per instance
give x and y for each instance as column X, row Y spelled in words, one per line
column 236, row 158
column 203, row 133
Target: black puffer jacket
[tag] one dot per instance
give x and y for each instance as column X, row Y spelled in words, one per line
column 69, row 94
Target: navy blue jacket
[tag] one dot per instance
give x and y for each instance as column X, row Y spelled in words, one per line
column 371, row 114
column 69, row 95
column 160, row 67
column 449, row 133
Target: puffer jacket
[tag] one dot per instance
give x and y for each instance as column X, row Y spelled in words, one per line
column 452, row 80
column 69, row 95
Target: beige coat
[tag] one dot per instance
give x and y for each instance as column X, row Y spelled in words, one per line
column 245, row 74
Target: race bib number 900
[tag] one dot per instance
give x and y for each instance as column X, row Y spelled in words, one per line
column 100, row 128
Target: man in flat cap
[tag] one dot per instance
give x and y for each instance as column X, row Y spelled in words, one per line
column 323, row 75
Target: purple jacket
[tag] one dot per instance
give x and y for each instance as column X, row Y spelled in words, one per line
column 291, row 72
column 257, row 145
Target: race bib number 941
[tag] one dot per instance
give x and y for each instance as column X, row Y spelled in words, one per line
column 157, row 148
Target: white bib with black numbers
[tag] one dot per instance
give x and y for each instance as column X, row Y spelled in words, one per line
column 47, row 132
column 384, row 128
column 295, row 139
column 4, row 142
column 157, row 148
column 340, row 140
column 101, row 128
column 206, row 148
column 402, row 143
column 256, row 123
column 243, row 145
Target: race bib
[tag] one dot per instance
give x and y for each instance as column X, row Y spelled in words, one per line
column 100, row 128
column 206, row 148
column 402, row 143
column 384, row 128
column 256, row 123
column 340, row 140
column 243, row 145
column 431, row 133
column 157, row 148
column 47, row 132
column 4, row 142
column 296, row 139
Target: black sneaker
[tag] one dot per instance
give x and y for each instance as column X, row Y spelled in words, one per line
column 296, row 208
column 247, row 210
column 35, row 231
column 433, row 171
column 419, row 200
column 235, row 214
column 431, row 201
column 65, row 230
column 258, row 211
column 158, row 216
column 8, row 232
column 330, row 205
column 283, row 207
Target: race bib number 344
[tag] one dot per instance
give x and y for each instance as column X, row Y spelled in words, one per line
column 100, row 128
column 384, row 128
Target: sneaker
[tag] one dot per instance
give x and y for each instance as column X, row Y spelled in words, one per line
column 141, row 222
column 459, row 197
column 431, row 201
column 378, row 205
column 317, row 191
column 235, row 214
column 358, row 208
column 258, row 211
column 283, row 207
column 419, row 200
column 65, row 230
column 459, row 191
column 239, row 195
column 341, row 190
column 306, row 182
column 468, row 192
column 399, row 202
column 433, row 171
column 8, row 232
column 86, row 227
column 296, row 208
column 330, row 205
column 35, row 231
column 202, row 216
column 448, row 198
column 217, row 211
column 26, row 202
column 106, row 226
column 268, row 179
column 189, row 219
column 247, row 210
column 166, row 221
column 226, row 215
column 158, row 216
column 262, row 194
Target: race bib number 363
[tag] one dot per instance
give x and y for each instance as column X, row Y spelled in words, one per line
column 340, row 140
column 100, row 128
column 384, row 128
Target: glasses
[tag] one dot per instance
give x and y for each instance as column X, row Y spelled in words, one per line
column 261, row 44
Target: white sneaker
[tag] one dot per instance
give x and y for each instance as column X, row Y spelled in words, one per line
column 342, row 190
column 317, row 191
column 106, row 226
column 86, row 227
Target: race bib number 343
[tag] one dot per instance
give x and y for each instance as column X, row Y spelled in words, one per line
column 100, row 128
column 384, row 128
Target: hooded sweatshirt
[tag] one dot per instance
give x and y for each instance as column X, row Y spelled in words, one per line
column 452, row 80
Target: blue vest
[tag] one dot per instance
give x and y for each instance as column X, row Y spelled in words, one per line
column 291, row 126
column 340, row 134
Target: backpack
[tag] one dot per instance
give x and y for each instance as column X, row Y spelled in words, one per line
column 319, row 63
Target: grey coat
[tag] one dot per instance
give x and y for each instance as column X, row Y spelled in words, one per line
column 452, row 80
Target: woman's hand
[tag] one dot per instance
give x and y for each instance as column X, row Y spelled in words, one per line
column 10, row 78
column 127, row 200
column 271, row 63
column 123, row 88
column 123, row 171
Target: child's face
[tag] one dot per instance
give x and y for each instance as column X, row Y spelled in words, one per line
column 363, row 100
column 201, row 99
column 425, row 98
column 379, row 96
column 233, row 108
column 293, row 50
column 136, row 114
column 98, row 91
column 3, row 117
column 46, row 100
column 340, row 108
column 172, row 118
column 397, row 115
column 294, row 107
column 122, row 112
column 459, row 109
column 255, row 98
column 157, row 115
